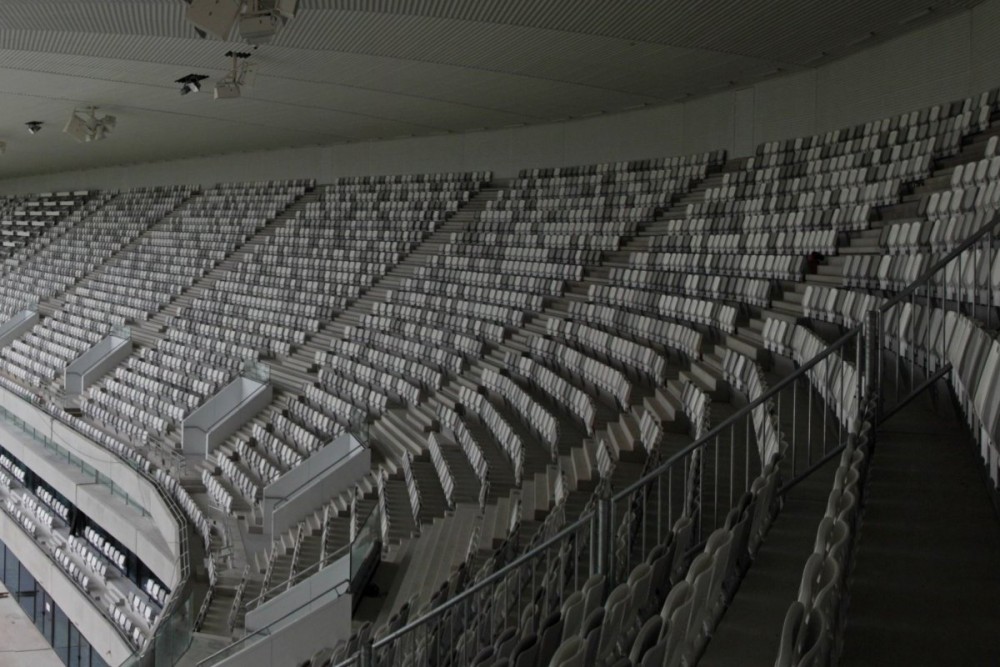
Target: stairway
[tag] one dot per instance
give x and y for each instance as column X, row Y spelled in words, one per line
column 867, row 242
column 750, row 630
column 926, row 580
column 150, row 332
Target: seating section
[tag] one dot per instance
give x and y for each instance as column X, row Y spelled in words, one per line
column 96, row 564
column 99, row 301
column 202, row 349
column 77, row 247
column 23, row 220
column 336, row 248
column 563, row 336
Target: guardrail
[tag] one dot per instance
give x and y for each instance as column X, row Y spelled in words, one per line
column 493, row 604
column 360, row 553
column 704, row 480
column 961, row 281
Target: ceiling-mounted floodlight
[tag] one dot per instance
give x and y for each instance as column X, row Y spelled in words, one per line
column 229, row 86
column 191, row 83
column 258, row 20
column 34, row 126
column 84, row 125
column 262, row 18
column 213, row 17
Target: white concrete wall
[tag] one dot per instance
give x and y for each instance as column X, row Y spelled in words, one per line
column 154, row 539
column 321, row 624
column 951, row 59
column 97, row 628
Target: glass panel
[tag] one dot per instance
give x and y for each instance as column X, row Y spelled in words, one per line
column 367, row 539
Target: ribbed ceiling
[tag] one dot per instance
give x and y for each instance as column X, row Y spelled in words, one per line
column 356, row 70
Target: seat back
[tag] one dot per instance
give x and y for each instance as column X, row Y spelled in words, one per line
column 569, row 654
column 640, row 584
column 525, row 654
column 814, row 641
column 790, row 644
column 676, row 616
column 572, row 615
column 593, row 594
column 615, row 610
column 549, row 637
column 648, row 636
column 682, row 531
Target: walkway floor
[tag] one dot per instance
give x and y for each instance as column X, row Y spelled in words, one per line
column 21, row 644
column 750, row 631
column 926, row 584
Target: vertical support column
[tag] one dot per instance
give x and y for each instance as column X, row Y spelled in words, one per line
column 604, row 564
column 873, row 360
column 367, row 654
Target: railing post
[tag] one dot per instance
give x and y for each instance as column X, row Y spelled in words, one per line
column 367, row 654
column 604, row 563
column 873, row 360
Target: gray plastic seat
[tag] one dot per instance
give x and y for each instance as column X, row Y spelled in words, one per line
column 549, row 636
column 790, row 644
column 504, row 644
column 683, row 529
column 569, row 654
column 660, row 559
column 484, row 657
column 647, row 637
column 676, row 617
column 815, row 645
column 615, row 610
column 591, row 634
column 525, row 653
column 572, row 615
column 593, row 594
column 640, row 584
column 700, row 577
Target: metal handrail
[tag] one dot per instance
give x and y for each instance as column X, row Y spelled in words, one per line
column 241, row 643
column 739, row 414
column 942, row 263
column 587, row 518
column 497, row 576
column 298, row 577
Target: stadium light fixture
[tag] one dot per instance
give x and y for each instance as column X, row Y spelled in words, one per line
column 230, row 86
column 84, row 125
column 258, row 20
column 191, row 83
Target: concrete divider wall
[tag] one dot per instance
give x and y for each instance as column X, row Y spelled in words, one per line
column 318, row 586
column 94, row 363
column 222, row 414
column 17, row 325
column 293, row 641
column 328, row 473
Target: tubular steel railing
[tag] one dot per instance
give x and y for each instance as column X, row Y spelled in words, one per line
column 913, row 322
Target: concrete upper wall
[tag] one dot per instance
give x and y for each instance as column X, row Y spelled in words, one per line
column 948, row 60
column 95, row 627
column 154, row 538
